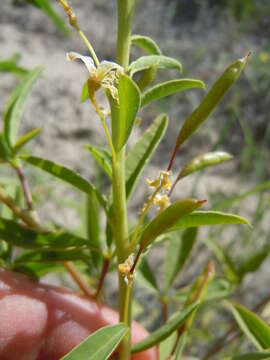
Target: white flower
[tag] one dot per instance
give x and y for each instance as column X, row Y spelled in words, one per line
column 105, row 75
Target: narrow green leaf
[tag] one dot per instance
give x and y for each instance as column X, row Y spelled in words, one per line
column 10, row 65
column 18, row 235
column 24, row 139
column 166, row 330
column 93, row 225
column 84, row 93
column 224, row 258
column 99, row 345
column 129, row 103
column 5, row 151
column 167, row 218
column 38, row 269
column 251, row 356
column 16, row 105
column 141, row 152
column 52, row 256
column 207, row 218
column 166, row 347
column 167, row 88
column 203, row 161
column 218, row 289
column 67, row 175
column 46, row 7
column 252, row 326
column 162, row 62
column 199, row 290
column 147, row 77
column 253, row 262
column 148, row 274
column 213, row 97
column 146, row 43
column 103, row 159
column 178, row 251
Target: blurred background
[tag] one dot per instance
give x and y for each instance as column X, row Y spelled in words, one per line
column 205, row 36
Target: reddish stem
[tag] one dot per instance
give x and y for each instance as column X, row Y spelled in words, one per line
column 136, row 260
column 25, row 188
column 165, row 311
column 172, row 158
column 105, row 269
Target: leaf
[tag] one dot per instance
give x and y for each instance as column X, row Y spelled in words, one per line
column 162, row 62
column 251, row 356
column 198, row 291
column 252, row 326
column 148, row 274
column 99, row 345
column 146, row 43
column 166, row 330
column 178, row 251
column 170, row 87
column 67, row 175
column 84, row 93
column 16, row 105
column 24, row 139
column 18, row 235
column 166, row 219
column 218, row 289
column 93, row 225
column 129, row 102
column 225, row 260
column 10, row 65
column 213, row 97
column 5, row 151
column 38, row 269
column 166, row 346
column 52, row 256
column 203, row 161
column 141, row 152
column 103, row 159
column 46, row 7
column 207, row 218
column 253, row 262
column 147, row 77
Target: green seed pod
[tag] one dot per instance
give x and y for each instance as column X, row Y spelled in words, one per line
column 202, row 161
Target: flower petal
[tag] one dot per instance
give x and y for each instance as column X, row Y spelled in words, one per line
column 87, row 60
column 106, row 66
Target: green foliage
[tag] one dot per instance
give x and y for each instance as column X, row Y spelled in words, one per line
column 108, row 242
column 213, row 97
column 167, row 88
column 166, row 219
column 66, row 175
column 100, row 345
column 166, row 330
column 178, row 251
column 161, row 61
column 103, row 159
column 45, row 6
column 141, row 152
column 16, row 105
column 129, row 103
column 253, row 327
column 146, row 43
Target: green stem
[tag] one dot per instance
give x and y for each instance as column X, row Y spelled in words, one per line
column 125, row 12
